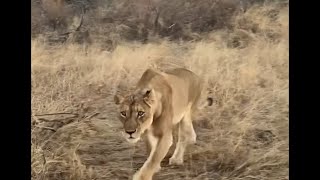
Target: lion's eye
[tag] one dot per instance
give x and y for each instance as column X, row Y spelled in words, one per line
column 123, row 113
column 140, row 113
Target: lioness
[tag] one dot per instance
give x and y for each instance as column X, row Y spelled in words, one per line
column 160, row 101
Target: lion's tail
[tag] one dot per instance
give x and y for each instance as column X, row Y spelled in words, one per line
column 198, row 109
column 207, row 102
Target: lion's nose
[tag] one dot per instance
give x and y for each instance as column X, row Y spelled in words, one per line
column 130, row 131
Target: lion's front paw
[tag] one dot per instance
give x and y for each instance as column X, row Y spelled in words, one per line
column 175, row 161
column 157, row 169
column 139, row 176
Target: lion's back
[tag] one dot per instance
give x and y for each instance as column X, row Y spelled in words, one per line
column 185, row 85
column 191, row 80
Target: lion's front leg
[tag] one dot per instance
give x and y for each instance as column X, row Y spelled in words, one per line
column 148, row 145
column 159, row 148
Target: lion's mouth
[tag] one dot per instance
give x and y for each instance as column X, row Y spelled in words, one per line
column 132, row 140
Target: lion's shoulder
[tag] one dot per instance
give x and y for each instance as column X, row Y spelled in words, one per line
column 172, row 77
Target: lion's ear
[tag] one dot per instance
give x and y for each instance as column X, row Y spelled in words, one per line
column 149, row 96
column 118, row 99
column 148, row 93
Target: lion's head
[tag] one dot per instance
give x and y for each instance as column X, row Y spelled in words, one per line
column 136, row 113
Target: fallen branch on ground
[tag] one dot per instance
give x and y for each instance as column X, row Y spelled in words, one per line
column 44, row 127
column 54, row 114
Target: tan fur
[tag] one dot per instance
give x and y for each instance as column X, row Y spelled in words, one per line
column 168, row 99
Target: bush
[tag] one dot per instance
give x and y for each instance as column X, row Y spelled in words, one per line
column 144, row 20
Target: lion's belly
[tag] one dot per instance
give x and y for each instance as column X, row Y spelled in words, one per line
column 179, row 110
column 178, row 117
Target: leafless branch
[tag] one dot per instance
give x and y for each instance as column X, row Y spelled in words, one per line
column 59, row 113
column 44, row 127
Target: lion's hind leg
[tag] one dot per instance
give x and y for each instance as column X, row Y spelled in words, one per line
column 186, row 136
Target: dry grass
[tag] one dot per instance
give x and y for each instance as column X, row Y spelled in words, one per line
column 244, row 136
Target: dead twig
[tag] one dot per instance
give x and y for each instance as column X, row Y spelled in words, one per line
column 56, row 120
column 48, row 114
column 44, row 127
column 91, row 116
column 171, row 25
column 81, row 19
column 239, row 169
column 44, row 158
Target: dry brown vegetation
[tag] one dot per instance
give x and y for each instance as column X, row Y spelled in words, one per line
column 245, row 64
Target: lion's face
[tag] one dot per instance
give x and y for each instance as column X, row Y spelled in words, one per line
column 135, row 113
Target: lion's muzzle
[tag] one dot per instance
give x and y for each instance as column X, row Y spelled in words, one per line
column 130, row 132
